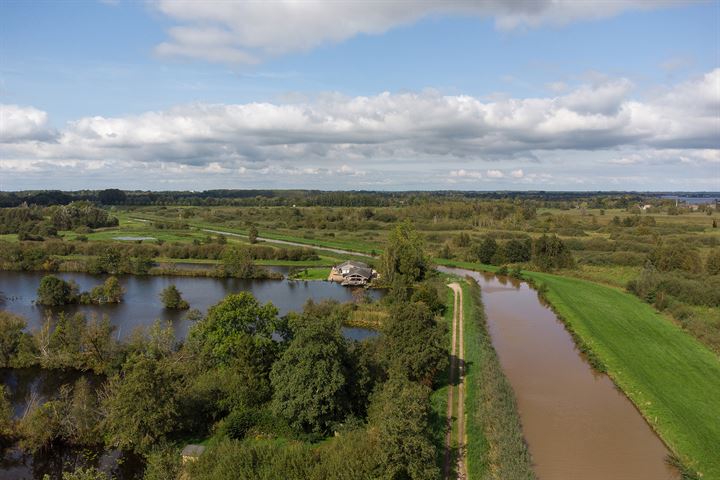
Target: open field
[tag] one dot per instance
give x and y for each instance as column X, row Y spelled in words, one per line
column 670, row 377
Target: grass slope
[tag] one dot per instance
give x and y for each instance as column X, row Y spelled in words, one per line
column 671, row 377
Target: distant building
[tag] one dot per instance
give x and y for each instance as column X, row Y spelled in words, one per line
column 646, row 207
column 352, row 273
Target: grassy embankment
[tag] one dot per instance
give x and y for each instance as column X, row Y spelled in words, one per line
column 495, row 445
column 672, row 379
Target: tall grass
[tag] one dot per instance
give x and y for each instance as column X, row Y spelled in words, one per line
column 496, row 448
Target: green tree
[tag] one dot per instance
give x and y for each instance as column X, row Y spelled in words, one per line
column 253, row 234
column 109, row 292
column 172, row 298
column 238, row 262
column 98, row 344
column 54, row 291
column 163, row 463
column 485, row 250
column 141, row 404
column 65, row 342
column 403, row 255
column 84, row 415
column 400, row 412
column 220, row 334
column 11, row 335
column 712, row 264
column 83, row 473
column 309, row 380
column 6, row 415
column 676, row 256
column 550, row 252
column 414, row 344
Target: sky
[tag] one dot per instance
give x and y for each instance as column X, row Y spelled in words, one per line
column 360, row 94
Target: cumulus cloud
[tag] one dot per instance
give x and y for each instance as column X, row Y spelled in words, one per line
column 247, row 32
column 22, row 123
column 335, row 135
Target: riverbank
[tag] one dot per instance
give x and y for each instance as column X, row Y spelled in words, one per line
column 670, row 377
column 495, row 445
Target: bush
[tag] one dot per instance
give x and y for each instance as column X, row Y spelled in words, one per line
column 172, row 298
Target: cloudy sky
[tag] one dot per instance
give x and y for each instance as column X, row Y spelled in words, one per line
column 360, row 94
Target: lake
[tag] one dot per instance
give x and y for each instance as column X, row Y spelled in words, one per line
column 142, row 306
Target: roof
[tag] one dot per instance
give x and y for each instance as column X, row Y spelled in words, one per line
column 353, row 263
column 192, row 450
column 363, row 272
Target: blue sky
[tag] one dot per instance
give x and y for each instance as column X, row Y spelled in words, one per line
column 452, row 95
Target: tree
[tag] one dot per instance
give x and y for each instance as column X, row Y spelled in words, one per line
column 238, row 262
column 403, row 255
column 485, row 250
column 11, row 334
column 54, row 291
column 676, row 256
column 82, row 473
column 84, row 415
column 253, row 234
column 6, row 414
column 109, row 292
column 550, row 252
column 98, row 344
column 219, row 335
column 309, row 379
column 172, row 298
column 712, row 264
column 400, row 412
column 112, row 196
column 141, row 404
column 414, row 345
column 516, row 251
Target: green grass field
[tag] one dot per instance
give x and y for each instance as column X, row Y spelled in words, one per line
column 672, row 379
column 311, row 274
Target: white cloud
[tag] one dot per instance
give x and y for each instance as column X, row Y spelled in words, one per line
column 339, row 136
column 245, row 32
column 22, row 123
column 462, row 173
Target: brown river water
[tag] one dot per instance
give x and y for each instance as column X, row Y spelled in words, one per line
column 577, row 424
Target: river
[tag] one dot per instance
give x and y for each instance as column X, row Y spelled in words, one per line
column 577, row 424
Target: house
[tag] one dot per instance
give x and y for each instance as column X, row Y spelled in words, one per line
column 352, row 273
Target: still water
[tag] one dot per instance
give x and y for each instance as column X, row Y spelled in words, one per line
column 578, row 425
column 141, row 305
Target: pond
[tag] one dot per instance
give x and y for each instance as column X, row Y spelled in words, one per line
column 142, row 306
column 576, row 422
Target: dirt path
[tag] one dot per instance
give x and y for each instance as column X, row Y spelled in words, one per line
column 457, row 380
